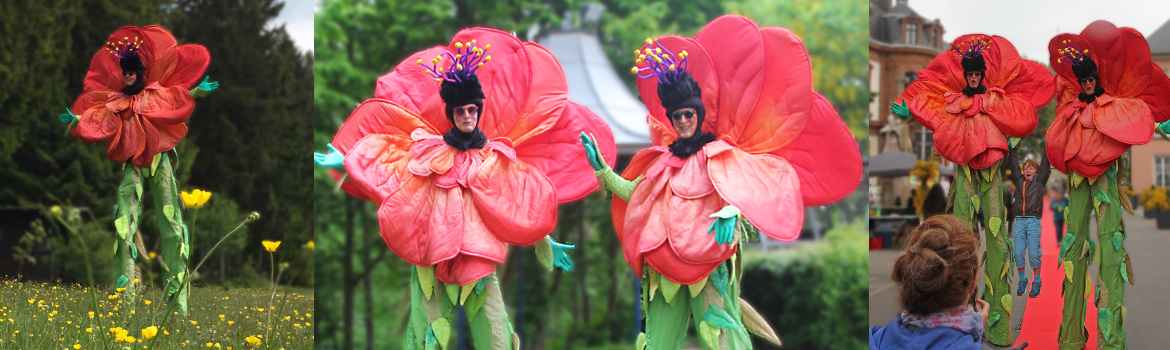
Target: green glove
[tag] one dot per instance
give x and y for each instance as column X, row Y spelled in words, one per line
column 68, row 116
column 724, row 225
column 1162, row 129
column 204, row 87
column 608, row 179
column 900, row 109
column 333, row 159
column 591, row 153
column 560, row 255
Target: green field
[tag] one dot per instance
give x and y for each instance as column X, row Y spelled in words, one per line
column 37, row 315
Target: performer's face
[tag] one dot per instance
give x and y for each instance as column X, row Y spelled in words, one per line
column 1089, row 85
column 685, row 122
column 129, row 77
column 973, row 78
column 1029, row 172
column 466, row 117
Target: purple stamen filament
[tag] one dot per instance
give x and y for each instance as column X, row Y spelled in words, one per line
column 464, row 62
column 660, row 62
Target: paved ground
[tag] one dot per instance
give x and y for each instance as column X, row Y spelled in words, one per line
column 1148, row 300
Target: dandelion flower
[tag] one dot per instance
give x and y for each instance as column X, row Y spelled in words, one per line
column 271, row 246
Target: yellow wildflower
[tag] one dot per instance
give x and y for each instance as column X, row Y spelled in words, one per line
column 231, row 322
column 196, row 198
column 148, row 333
column 89, row 330
column 309, row 245
column 221, row 317
column 147, row 302
column 270, row 246
column 77, row 346
column 253, row 340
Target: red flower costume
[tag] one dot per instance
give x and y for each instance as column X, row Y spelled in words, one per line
column 780, row 146
column 140, row 125
column 970, row 129
column 458, row 210
column 1089, row 137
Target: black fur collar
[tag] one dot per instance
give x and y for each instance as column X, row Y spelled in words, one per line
column 464, row 141
column 684, row 148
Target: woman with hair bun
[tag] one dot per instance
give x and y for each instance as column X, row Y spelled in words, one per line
column 938, row 272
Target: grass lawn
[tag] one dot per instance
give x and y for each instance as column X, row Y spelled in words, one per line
column 35, row 315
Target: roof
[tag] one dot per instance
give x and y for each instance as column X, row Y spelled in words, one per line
column 1160, row 40
column 593, row 83
column 885, row 25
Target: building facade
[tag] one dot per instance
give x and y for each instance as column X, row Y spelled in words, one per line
column 1150, row 163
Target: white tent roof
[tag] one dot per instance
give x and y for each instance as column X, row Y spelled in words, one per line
column 594, row 84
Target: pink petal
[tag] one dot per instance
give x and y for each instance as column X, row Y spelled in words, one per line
column 827, row 173
column 378, row 116
column 423, row 224
column 377, row 164
column 517, row 203
column 558, row 153
column 764, row 187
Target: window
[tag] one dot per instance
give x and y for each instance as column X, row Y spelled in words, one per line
column 928, row 37
column 910, row 78
column 911, row 33
column 924, row 145
column 1162, row 170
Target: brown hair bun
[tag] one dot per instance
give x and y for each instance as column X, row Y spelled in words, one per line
column 938, row 266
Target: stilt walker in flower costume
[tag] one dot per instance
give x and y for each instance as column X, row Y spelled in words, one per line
column 137, row 94
column 975, row 97
column 741, row 142
column 1109, row 97
column 468, row 148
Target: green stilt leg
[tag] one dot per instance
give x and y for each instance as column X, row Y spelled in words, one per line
column 977, row 191
column 423, row 310
column 666, row 321
column 126, row 224
column 1075, row 260
column 720, row 311
column 1114, row 264
column 490, row 327
column 176, row 244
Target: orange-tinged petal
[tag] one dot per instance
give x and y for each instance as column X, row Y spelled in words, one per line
column 786, row 98
column 516, row 202
column 826, row 174
column 1012, row 115
column 193, row 61
column 548, row 94
column 667, row 262
column 378, row 116
column 410, row 87
column 740, row 71
column 170, row 135
column 149, row 145
column 165, row 105
column 97, row 124
column 1127, row 120
column 764, row 187
column 558, row 153
column 464, row 269
column 127, row 143
column 377, row 164
column 422, row 223
column 160, row 54
column 90, row 99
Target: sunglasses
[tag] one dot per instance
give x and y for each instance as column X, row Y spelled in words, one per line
column 1087, row 80
column 679, row 115
column 973, row 74
column 468, row 110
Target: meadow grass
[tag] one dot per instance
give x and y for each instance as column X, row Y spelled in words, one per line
column 37, row 315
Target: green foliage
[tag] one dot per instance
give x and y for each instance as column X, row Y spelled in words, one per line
column 815, row 296
column 97, row 238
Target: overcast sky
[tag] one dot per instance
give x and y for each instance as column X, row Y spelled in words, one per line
column 297, row 18
column 1030, row 24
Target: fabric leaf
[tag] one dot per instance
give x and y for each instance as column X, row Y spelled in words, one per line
column 697, row 287
column 474, row 305
column 122, row 225
column 122, row 281
column 169, row 212
column 718, row 317
column 431, row 342
column 1128, row 269
column 719, row 280
column 975, row 202
column 465, row 292
column 452, row 292
column 1006, row 266
column 669, row 288
column 1117, row 241
column 756, row 323
column 1085, row 251
column 653, row 277
column 987, row 282
column 710, row 334
column 479, row 286
column 993, row 319
column 1068, row 270
column 641, row 344
column 426, row 280
column 1104, row 323
column 544, row 254
column 1075, row 179
column 994, row 225
column 1006, row 301
column 441, row 329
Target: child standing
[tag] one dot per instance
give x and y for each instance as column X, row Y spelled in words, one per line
column 1029, row 194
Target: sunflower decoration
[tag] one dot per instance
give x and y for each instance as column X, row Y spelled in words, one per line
column 926, row 174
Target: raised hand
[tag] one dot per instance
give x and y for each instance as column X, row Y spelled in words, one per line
column 68, row 116
column 333, row 159
column 560, row 255
column 724, row 225
column 900, row 109
column 591, row 152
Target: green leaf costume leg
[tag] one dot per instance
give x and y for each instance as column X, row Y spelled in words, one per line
column 976, row 191
column 176, row 243
column 432, row 306
column 126, row 215
column 1114, row 265
column 714, row 304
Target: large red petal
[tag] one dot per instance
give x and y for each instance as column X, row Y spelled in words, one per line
column 409, row 86
column 128, row 142
column 1122, row 57
column 378, row 116
column 505, row 79
column 687, row 223
column 1126, row 120
column 1015, row 116
column 764, row 187
column 702, row 69
column 104, row 71
column 666, row 262
column 558, row 153
column 422, row 223
column 517, row 203
column 170, row 135
column 827, row 173
column 945, row 69
column 1061, row 65
column 165, row 106
column 959, row 139
column 786, row 97
column 97, row 124
column 192, row 62
column 1097, row 148
column 464, row 269
column 926, row 103
column 1157, row 95
column 160, row 54
column 548, row 92
column 1021, row 78
column 89, row 99
column 1057, row 140
column 740, row 67
column 637, row 167
column 150, row 145
column 378, row 164
column 647, row 216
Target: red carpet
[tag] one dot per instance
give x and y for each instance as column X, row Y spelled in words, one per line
column 1042, row 315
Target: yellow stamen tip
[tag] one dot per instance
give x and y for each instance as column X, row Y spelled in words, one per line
column 634, row 70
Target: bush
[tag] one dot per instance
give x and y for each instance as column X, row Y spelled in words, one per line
column 814, row 295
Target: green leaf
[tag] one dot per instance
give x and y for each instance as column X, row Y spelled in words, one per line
column 122, row 281
column 474, row 305
column 452, row 292
column 1076, row 179
column 1006, row 302
column 697, row 287
column 1101, row 196
column 976, row 203
column 641, row 344
column 1104, row 323
column 181, row 276
column 1117, row 241
column 1129, row 269
column 122, row 225
column 669, row 288
column 138, row 189
column 154, row 163
column 710, row 334
column 1068, row 269
column 994, row 225
column 719, row 279
column 169, row 212
column 479, row 286
column 431, row 342
column 993, row 319
column 719, row 317
column 1065, row 245
column 544, row 254
column 987, row 282
column 1124, row 272
column 426, row 280
column 465, row 292
column 967, row 171
column 441, row 329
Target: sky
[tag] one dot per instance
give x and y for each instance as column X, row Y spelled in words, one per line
column 1031, row 24
column 297, row 18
